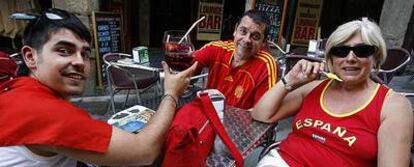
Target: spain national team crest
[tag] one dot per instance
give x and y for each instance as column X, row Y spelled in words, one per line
column 229, row 78
column 238, row 92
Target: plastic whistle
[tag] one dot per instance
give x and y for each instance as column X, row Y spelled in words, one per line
column 331, row 76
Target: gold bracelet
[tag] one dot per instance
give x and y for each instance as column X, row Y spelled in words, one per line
column 171, row 97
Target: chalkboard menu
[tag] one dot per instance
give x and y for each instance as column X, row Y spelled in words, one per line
column 273, row 9
column 107, row 35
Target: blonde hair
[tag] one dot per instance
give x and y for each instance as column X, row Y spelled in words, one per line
column 370, row 34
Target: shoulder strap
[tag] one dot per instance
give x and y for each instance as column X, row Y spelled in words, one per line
column 381, row 95
column 211, row 114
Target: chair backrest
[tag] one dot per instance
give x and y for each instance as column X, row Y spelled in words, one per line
column 275, row 50
column 113, row 57
column 117, row 77
column 127, row 77
column 396, row 59
column 278, row 54
column 8, row 68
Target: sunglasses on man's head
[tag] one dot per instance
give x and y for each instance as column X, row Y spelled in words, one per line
column 53, row 14
column 361, row 50
column 50, row 14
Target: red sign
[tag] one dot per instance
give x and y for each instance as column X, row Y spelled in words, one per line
column 306, row 21
column 210, row 28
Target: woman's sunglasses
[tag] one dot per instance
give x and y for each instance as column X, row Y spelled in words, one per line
column 361, row 51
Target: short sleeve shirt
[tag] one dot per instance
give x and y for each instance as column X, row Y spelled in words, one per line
column 31, row 113
column 243, row 85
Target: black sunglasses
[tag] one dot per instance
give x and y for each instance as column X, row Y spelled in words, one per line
column 361, row 50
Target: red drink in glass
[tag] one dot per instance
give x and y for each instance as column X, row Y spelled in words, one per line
column 178, row 56
column 178, row 50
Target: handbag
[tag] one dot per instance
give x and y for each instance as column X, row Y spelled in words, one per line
column 190, row 137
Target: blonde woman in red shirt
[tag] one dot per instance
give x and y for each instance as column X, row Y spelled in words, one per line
column 353, row 122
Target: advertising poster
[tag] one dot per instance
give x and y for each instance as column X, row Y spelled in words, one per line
column 307, row 18
column 210, row 28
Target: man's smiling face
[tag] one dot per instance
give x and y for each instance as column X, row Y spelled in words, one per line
column 63, row 64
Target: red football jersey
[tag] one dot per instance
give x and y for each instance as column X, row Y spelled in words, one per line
column 244, row 85
column 323, row 138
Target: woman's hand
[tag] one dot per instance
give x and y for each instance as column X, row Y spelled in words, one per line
column 175, row 84
column 304, row 72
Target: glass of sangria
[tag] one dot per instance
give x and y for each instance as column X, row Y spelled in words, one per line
column 178, row 50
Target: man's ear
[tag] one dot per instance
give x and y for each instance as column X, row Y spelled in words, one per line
column 30, row 56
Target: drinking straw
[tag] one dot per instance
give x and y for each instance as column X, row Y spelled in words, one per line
column 191, row 28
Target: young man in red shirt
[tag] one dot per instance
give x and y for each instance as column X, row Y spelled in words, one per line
column 40, row 127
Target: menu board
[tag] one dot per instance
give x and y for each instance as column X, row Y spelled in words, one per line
column 274, row 10
column 107, row 35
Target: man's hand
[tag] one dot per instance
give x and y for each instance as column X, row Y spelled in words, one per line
column 175, row 84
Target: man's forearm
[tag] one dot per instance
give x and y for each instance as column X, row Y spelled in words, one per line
column 157, row 127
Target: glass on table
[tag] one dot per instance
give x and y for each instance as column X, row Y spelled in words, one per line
column 178, row 50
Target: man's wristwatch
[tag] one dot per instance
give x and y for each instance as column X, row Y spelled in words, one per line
column 286, row 85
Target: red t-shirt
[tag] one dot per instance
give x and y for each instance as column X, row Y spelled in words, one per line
column 30, row 113
column 244, row 85
column 322, row 138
